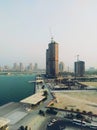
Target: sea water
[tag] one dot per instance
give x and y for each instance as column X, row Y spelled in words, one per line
column 14, row 88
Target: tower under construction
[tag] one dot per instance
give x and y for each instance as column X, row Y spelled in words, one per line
column 52, row 59
column 79, row 68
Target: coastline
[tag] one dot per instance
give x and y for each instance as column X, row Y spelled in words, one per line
column 14, row 88
column 34, row 88
column 18, row 115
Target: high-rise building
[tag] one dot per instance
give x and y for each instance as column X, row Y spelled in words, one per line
column 61, row 67
column 6, row 68
column 21, row 67
column 52, row 59
column 15, row 67
column 79, row 68
column 36, row 67
column 29, row 67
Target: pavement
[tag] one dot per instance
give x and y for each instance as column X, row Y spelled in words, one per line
column 19, row 116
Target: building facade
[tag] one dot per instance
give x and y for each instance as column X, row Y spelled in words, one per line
column 15, row 67
column 79, row 68
column 52, row 59
column 61, row 67
column 35, row 67
column 21, row 67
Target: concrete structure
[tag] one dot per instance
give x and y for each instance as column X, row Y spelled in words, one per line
column 61, row 67
column 34, row 99
column 52, row 59
column 79, row 68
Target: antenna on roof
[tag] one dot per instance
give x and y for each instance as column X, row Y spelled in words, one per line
column 52, row 38
column 77, row 57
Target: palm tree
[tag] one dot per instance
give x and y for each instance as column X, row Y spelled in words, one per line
column 66, row 110
column 77, row 110
column 90, row 114
column 72, row 110
column 84, row 112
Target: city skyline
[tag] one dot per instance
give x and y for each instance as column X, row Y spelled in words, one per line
column 26, row 28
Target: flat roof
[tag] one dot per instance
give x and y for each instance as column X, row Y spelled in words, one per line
column 34, row 99
column 3, row 121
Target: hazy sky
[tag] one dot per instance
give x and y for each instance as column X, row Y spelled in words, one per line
column 26, row 27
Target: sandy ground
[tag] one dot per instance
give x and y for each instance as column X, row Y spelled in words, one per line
column 90, row 83
column 77, row 100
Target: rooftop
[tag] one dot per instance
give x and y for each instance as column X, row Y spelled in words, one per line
column 34, row 99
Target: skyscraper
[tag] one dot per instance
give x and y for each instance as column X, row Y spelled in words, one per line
column 15, row 67
column 79, row 68
column 30, row 67
column 52, row 59
column 36, row 67
column 61, row 67
column 21, row 67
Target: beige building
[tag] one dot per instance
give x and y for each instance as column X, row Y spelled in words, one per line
column 52, row 59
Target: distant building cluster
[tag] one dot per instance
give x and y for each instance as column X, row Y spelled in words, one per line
column 20, row 68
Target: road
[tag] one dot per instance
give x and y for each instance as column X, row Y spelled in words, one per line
column 33, row 117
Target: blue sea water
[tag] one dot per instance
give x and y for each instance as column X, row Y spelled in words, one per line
column 13, row 88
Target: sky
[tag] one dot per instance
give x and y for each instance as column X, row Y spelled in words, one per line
column 26, row 28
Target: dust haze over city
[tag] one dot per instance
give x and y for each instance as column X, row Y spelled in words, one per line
column 26, row 28
column 48, row 71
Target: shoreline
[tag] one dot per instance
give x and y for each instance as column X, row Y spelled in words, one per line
column 15, row 88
